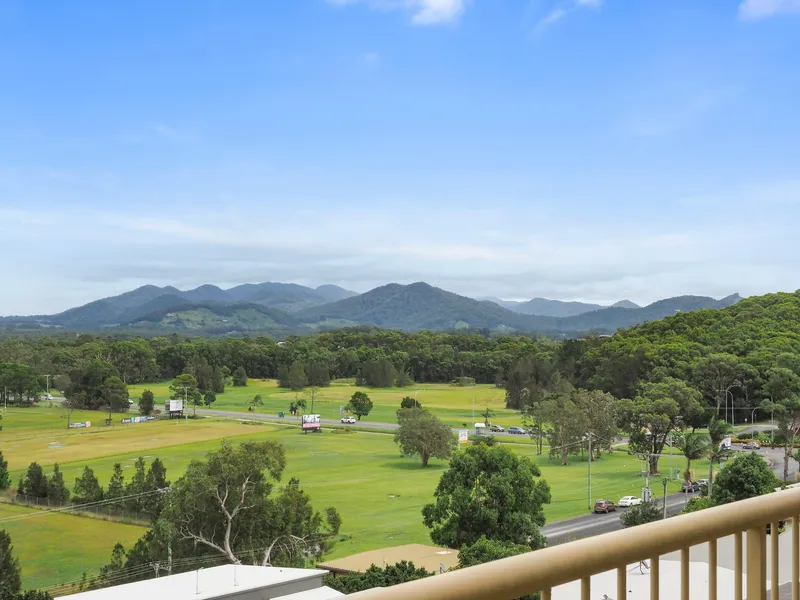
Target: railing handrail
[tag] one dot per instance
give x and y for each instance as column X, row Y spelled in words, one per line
column 544, row 569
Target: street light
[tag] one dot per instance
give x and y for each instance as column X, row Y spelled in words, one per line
column 727, row 390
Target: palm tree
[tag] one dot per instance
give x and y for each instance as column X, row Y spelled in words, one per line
column 487, row 414
column 718, row 430
column 695, row 447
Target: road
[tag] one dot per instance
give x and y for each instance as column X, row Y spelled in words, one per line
column 591, row 524
column 291, row 420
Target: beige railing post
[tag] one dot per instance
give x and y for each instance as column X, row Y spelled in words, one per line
column 586, row 588
column 684, row 573
column 796, row 557
column 774, row 574
column 712, row 569
column 737, row 565
column 622, row 582
column 756, row 576
column 654, row 578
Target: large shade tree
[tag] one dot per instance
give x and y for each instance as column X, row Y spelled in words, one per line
column 659, row 409
column 488, row 491
column 422, row 434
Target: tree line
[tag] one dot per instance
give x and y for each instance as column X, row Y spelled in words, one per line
column 143, row 494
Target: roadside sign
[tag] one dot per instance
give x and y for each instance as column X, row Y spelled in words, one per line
column 463, row 436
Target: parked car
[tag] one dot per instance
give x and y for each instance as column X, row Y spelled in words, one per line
column 604, row 506
column 627, row 501
column 516, row 430
column 348, row 420
column 781, row 525
column 689, row 487
column 496, row 428
column 754, row 445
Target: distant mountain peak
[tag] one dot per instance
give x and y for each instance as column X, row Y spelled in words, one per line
column 625, row 304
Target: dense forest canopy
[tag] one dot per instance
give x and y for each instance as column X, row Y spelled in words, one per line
column 726, row 354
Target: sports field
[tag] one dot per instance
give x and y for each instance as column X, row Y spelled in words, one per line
column 450, row 403
column 378, row 493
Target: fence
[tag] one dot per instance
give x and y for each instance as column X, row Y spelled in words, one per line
column 109, row 512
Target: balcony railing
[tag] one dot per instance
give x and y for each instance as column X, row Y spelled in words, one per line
column 543, row 570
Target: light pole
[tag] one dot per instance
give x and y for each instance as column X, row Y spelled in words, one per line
column 415, row 397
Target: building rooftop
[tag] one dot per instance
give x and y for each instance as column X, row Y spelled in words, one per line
column 428, row 557
column 214, row 582
column 321, row 593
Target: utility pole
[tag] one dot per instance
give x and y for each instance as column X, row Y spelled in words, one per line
column 313, row 390
column 473, row 405
column 665, row 497
column 590, row 471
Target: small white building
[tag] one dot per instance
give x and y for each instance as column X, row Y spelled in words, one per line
column 239, row 582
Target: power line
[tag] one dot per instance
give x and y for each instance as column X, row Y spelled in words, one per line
column 79, row 507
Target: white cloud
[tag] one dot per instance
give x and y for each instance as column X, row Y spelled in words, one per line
column 424, row 12
column 752, row 10
column 564, row 8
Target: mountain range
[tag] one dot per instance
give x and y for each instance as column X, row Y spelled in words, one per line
column 287, row 308
column 554, row 308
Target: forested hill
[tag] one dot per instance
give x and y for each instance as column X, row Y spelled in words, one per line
column 280, row 309
column 713, row 349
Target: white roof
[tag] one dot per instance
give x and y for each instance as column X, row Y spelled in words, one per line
column 321, row 593
column 213, row 582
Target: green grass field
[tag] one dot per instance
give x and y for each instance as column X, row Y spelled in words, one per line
column 54, row 548
column 378, row 493
column 450, row 403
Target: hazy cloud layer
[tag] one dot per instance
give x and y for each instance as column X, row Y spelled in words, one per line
column 82, row 254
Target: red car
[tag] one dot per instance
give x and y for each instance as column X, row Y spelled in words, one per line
column 604, row 506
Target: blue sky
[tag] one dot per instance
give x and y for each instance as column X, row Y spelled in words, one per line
column 572, row 149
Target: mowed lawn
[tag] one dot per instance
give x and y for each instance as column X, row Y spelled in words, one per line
column 452, row 404
column 34, row 434
column 54, row 548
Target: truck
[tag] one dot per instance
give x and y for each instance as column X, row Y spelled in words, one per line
column 311, row 423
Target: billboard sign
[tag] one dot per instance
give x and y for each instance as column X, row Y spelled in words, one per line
column 311, row 422
column 173, row 406
column 463, row 436
column 128, row 420
column 80, row 424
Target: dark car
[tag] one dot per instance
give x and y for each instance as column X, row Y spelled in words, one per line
column 604, row 506
column 496, row 428
column 689, row 487
column 516, row 430
column 751, row 446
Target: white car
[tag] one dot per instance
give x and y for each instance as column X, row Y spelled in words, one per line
column 349, row 420
column 629, row 501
